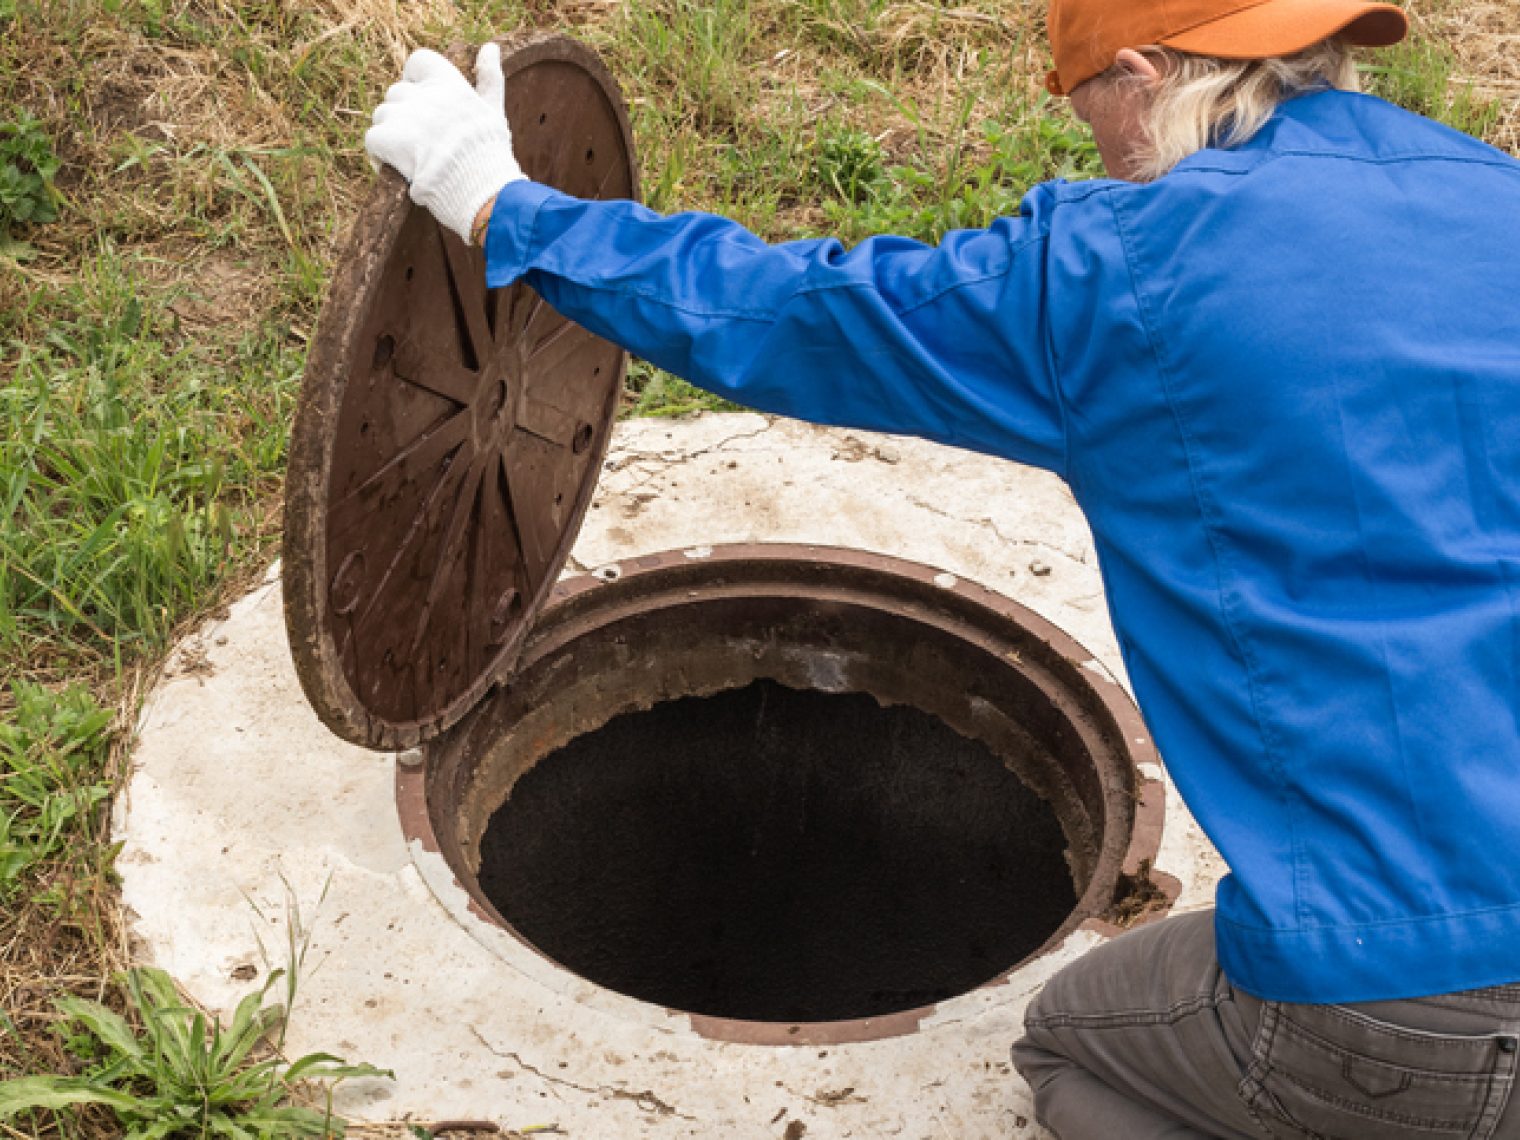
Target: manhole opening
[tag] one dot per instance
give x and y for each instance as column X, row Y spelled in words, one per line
column 772, row 788
column 775, row 854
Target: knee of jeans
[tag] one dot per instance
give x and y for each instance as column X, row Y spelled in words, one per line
column 1032, row 1011
column 1040, row 1046
column 1037, row 1065
column 1028, row 1058
column 1050, row 1000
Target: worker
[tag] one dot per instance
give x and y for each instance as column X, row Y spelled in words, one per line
column 1276, row 357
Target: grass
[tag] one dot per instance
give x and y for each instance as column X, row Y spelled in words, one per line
column 52, row 749
column 175, row 180
column 1420, row 74
column 169, row 1069
column 133, row 468
column 984, row 175
column 178, row 1072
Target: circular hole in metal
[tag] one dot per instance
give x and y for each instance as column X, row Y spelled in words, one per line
column 770, row 854
column 771, row 790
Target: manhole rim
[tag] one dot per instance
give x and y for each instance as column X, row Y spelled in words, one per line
column 579, row 606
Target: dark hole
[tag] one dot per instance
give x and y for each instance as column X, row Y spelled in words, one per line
column 775, row 855
column 385, row 349
column 507, row 608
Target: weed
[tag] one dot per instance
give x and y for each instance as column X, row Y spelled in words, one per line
column 50, row 781
column 652, row 392
column 1418, row 75
column 126, row 457
column 850, row 163
column 976, row 183
column 27, row 167
column 181, row 1074
column 850, row 26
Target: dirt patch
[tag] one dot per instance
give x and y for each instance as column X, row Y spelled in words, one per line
column 220, row 290
column 1139, row 898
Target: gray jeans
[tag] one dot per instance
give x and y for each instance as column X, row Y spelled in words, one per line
column 1145, row 1038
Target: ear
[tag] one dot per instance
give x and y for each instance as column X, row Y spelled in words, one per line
column 1136, row 65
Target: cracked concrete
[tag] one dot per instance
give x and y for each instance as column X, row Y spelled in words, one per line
column 646, row 1100
column 247, row 829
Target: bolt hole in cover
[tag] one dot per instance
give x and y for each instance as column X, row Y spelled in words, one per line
column 448, row 437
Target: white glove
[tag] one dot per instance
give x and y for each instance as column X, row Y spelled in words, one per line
column 448, row 139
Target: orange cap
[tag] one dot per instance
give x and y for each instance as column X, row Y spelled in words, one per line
column 1088, row 34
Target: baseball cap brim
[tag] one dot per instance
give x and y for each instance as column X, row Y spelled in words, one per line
column 1285, row 27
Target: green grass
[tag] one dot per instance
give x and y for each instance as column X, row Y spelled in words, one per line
column 131, row 462
column 175, row 180
column 696, row 54
column 653, row 392
column 984, row 175
column 1420, row 75
column 52, row 784
column 27, row 166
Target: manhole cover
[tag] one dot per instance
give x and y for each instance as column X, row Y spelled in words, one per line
column 448, row 437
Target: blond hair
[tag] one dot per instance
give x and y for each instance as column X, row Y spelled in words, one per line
column 1202, row 102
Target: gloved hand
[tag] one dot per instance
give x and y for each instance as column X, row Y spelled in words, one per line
column 448, row 139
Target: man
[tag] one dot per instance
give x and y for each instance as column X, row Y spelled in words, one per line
column 1277, row 359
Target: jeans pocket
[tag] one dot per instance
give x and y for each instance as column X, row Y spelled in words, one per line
column 1331, row 1073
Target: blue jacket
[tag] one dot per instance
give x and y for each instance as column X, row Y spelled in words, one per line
column 1283, row 382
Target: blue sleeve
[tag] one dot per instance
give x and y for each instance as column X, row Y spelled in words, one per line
column 947, row 342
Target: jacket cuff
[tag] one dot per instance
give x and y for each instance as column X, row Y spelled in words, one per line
column 509, row 236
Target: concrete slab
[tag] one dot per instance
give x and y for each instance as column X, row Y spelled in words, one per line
column 248, row 829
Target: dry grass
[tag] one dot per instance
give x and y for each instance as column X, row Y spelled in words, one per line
column 1485, row 35
column 42, row 956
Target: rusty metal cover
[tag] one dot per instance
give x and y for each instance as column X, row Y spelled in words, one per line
column 448, row 438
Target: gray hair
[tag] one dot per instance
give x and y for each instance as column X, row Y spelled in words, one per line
column 1201, row 101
